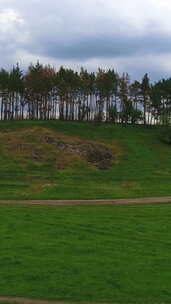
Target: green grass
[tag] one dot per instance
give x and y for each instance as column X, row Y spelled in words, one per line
column 118, row 254
column 144, row 167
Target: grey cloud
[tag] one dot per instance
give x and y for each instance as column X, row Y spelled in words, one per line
column 80, row 32
column 101, row 46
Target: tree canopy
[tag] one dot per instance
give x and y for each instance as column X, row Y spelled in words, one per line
column 42, row 92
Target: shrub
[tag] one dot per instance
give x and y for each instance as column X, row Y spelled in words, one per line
column 166, row 135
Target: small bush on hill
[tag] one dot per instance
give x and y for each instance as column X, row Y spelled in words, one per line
column 166, row 135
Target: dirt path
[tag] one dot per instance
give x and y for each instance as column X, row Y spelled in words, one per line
column 27, row 301
column 31, row 301
column 147, row 200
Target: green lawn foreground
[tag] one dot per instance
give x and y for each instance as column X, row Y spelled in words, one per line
column 119, row 254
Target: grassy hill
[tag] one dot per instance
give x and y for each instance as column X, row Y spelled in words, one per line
column 42, row 160
column 117, row 254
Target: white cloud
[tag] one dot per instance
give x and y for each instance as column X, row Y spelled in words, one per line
column 13, row 35
column 8, row 18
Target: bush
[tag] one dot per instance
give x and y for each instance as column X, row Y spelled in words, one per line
column 166, row 135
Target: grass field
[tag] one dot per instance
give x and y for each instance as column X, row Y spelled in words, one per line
column 118, row 254
column 142, row 167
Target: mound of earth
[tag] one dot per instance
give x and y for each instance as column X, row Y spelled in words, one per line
column 47, row 147
column 98, row 154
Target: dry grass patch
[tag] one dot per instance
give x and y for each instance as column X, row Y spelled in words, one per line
column 44, row 146
column 129, row 185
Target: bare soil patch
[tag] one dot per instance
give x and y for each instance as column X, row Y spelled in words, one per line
column 18, row 300
column 98, row 154
column 138, row 201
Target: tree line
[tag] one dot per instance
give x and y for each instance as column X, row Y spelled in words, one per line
column 43, row 93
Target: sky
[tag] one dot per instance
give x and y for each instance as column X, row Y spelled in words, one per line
column 131, row 36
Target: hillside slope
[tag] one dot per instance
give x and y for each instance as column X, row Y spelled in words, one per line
column 71, row 160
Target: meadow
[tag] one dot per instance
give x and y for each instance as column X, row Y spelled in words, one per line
column 141, row 166
column 117, row 254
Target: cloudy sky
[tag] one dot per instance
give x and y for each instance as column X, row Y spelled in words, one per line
column 128, row 35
